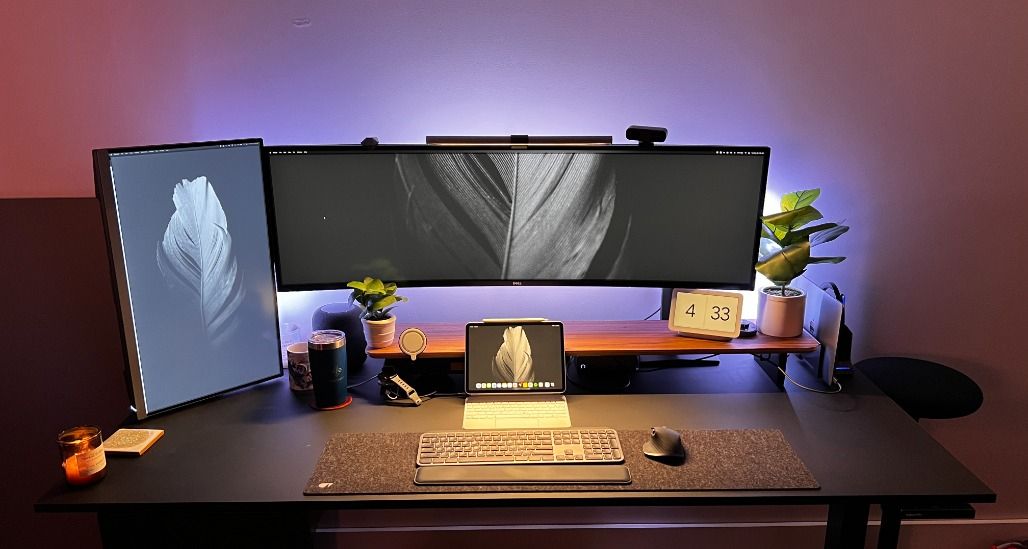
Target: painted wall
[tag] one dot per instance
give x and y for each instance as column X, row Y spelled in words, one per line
column 910, row 115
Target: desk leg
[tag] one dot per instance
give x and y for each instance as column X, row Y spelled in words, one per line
column 889, row 532
column 847, row 525
column 770, row 364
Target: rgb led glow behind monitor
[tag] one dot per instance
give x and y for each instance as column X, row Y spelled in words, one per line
column 188, row 239
column 668, row 216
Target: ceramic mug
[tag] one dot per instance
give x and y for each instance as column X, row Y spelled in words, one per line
column 299, row 367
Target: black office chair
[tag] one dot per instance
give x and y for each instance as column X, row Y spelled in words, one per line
column 928, row 390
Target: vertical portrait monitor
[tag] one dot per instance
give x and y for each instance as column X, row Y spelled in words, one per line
column 188, row 242
column 420, row 215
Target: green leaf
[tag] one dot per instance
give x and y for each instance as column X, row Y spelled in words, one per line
column 383, row 303
column 767, row 231
column 373, row 296
column 784, row 222
column 828, row 235
column 799, row 199
column 803, row 234
column 786, row 264
column 793, row 218
column 812, row 260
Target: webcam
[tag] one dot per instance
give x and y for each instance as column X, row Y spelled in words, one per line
column 646, row 135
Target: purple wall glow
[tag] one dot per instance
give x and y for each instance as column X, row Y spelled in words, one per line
column 910, row 115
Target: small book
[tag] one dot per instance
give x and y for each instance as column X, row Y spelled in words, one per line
column 132, row 441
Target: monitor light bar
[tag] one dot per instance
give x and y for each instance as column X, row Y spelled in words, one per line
column 521, row 140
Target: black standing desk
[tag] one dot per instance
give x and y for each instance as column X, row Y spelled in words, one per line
column 252, row 452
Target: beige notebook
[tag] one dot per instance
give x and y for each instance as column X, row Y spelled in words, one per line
column 132, row 441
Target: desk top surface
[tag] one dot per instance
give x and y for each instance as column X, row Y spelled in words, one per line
column 259, row 445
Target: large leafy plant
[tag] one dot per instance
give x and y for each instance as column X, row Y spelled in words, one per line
column 788, row 239
column 374, row 297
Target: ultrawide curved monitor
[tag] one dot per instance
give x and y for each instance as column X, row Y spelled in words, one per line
column 666, row 216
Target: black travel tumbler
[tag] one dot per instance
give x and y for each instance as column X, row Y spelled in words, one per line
column 327, row 352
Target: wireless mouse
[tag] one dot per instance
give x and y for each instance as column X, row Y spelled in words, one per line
column 665, row 445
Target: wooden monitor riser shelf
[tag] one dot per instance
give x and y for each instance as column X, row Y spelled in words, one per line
column 609, row 337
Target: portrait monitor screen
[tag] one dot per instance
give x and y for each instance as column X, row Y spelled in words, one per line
column 188, row 239
column 666, row 216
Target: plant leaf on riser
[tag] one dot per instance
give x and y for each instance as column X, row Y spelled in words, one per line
column 825, row 260
column 799, row 199
column 384, row 302
column 828, row 235
column 787, row 264
column 817, row 234
column 782, row 223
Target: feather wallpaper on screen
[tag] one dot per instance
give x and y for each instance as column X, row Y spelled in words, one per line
column 195, row 256
column 198, row 278
column 513, row 360
column 506, row 216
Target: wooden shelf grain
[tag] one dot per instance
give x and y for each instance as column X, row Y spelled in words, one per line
column 609, row 337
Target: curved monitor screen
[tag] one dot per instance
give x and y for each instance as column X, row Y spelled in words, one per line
column 436, row 216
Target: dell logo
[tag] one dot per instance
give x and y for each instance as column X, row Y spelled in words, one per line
column 515, row 283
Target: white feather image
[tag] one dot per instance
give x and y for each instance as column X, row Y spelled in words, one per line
column 509, row 215
column 513, row 360
column 195, row 256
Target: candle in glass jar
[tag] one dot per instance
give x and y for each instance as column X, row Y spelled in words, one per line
column 82, row 455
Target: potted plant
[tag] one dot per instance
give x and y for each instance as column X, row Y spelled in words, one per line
column 786, row 240
column 376, row 299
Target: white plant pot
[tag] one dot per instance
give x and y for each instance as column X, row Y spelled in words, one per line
column 780, row 316
column 380, row 333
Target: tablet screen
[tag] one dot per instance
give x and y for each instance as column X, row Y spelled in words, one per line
column 514, row 358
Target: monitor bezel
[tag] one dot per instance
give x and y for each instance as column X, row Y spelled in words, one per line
column 104, row 188
column 763, row 151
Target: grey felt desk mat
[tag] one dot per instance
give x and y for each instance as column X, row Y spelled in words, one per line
column 736, row 459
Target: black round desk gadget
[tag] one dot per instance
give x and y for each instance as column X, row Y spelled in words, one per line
column 347, row 319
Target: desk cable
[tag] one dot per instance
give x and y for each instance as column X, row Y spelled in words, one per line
column 835, row 382
column 359, row 383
